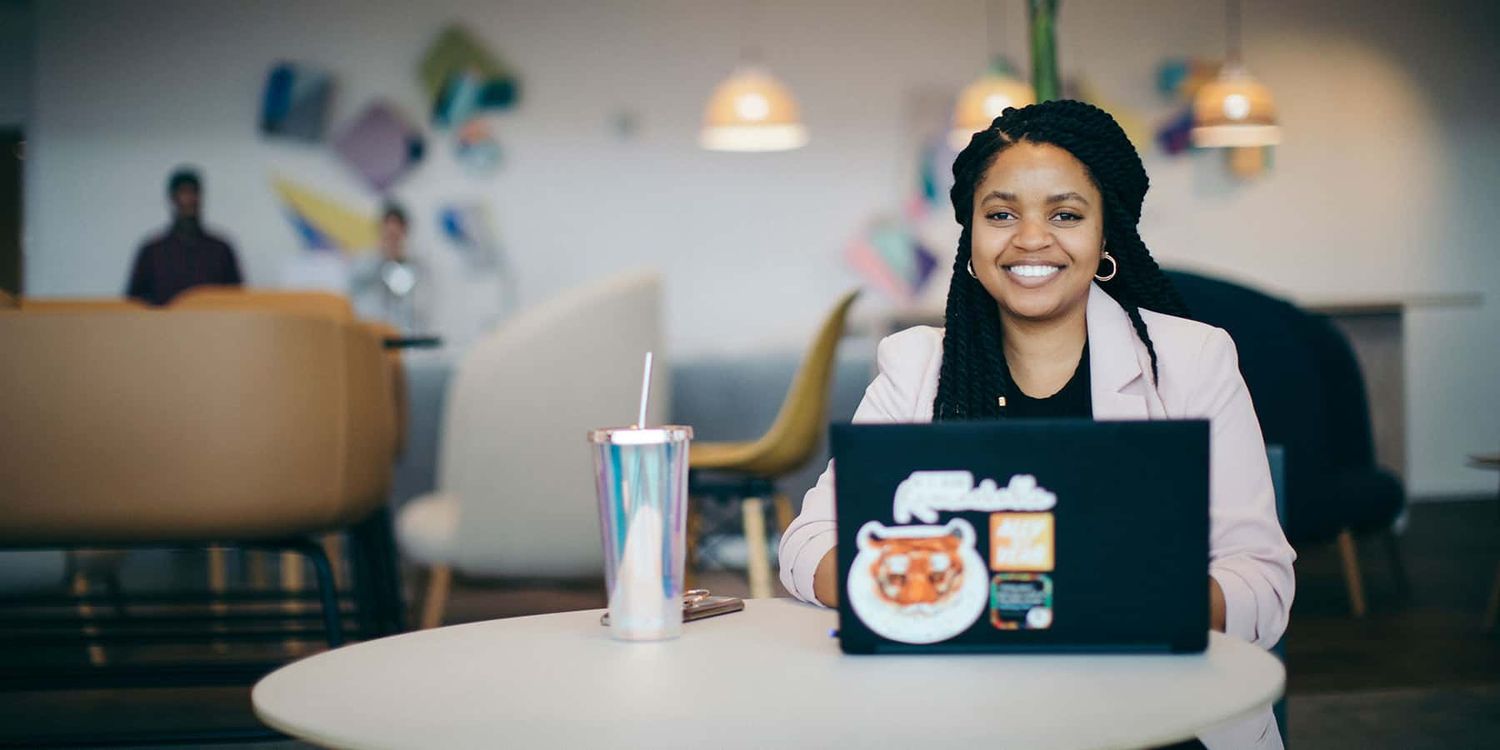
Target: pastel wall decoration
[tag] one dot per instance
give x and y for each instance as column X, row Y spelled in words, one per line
column 463, row 78
column 490, row 281
column 1178, row 80
column 468, row 229
column 380, row 145
column 324, row 223
column 296, row 102
column 891, row 259
column 475, row 147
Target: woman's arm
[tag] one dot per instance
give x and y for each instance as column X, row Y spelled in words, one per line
column 807, row 548
column 1250, row 560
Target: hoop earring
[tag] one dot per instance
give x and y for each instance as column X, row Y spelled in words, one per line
column 971, row 269
column 1114, row 267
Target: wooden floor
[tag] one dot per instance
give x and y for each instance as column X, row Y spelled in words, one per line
column 1414, row 674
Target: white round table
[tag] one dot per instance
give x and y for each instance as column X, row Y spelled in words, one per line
column 768, row 677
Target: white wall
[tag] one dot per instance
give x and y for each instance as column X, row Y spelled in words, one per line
column 1384, row 187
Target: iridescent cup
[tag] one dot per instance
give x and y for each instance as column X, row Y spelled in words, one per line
column 641, row 475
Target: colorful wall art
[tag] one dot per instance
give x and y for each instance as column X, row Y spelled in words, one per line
column 468, row 228
column 324, row 223
column 463, row 78
column 296, row 102
column 380, row 145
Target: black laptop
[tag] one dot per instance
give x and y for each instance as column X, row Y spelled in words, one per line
column 1022, row 535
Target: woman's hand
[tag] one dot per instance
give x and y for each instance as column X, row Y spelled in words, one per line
column 826, row 579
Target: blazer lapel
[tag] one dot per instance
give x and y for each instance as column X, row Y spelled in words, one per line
column 1119, row 385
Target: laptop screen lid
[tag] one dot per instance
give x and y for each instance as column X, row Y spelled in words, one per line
column 1022, row 535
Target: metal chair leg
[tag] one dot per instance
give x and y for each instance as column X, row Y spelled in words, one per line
column 218, row 583
column 388, row 582
column 1353, row 580
column 328, row 593
column 378, row 574
column 367, row 600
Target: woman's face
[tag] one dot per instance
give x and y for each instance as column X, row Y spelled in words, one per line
column 1037, row 229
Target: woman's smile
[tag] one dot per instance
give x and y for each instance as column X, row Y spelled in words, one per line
column 1032, row 275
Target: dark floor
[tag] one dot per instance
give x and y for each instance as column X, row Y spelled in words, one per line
column 1412, row 674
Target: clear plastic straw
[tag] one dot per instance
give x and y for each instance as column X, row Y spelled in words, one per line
column 645, row 391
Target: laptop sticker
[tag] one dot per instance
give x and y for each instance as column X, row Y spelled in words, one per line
column 918, row 584
column 1021, row 601
column 1021, row 542
column 924, row 493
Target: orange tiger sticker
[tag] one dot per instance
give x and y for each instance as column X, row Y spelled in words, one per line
column 1021, row 542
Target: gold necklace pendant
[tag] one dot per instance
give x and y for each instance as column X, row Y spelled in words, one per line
column 1002, row 401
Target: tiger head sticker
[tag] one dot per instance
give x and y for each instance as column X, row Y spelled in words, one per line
column 918, row 584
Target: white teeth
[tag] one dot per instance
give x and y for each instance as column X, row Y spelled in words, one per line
column 1035, row 272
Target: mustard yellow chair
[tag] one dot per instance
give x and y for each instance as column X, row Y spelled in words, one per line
column 748, row 470
column 165, row 428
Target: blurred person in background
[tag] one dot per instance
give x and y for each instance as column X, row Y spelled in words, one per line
column 389, row 285
column 185, row 255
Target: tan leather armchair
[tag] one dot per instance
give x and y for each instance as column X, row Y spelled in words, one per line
column 165, row 427
column 307, row 303
column 183, row 426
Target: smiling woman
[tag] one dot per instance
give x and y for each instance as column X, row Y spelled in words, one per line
column 1049, row 197
column 1057, row 310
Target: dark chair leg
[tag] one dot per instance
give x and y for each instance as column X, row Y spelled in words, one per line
column 328, row 592
column 116, row 594
column 367, row 608
column 390, row 571
column 1398, row 565
column 375, row 537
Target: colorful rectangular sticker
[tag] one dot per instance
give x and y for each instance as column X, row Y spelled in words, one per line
column 1021, row 542
column 1021, row 601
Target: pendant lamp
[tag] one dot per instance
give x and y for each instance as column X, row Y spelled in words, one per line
column 1234, row 110
column 752, row 111
column 987, row 97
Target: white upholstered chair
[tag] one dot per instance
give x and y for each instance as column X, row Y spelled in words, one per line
column 516, row 494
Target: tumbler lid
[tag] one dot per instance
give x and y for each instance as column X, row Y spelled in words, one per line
column 669, row 433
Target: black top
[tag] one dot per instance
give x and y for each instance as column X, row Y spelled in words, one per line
column 1074, row 401
column 185, row 256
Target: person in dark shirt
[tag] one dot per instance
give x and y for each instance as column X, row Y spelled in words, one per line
column 185, row 255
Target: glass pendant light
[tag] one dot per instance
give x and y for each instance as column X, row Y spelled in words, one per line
column 752, row 111
column 987, row 97
column 1234, row 110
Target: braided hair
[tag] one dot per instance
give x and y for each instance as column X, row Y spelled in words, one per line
column 974, row 372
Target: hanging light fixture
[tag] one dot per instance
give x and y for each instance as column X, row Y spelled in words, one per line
column 1234, row 110
column 987, row 97
column 752, row 111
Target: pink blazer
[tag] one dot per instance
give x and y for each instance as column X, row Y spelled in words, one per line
column 1200, row 379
